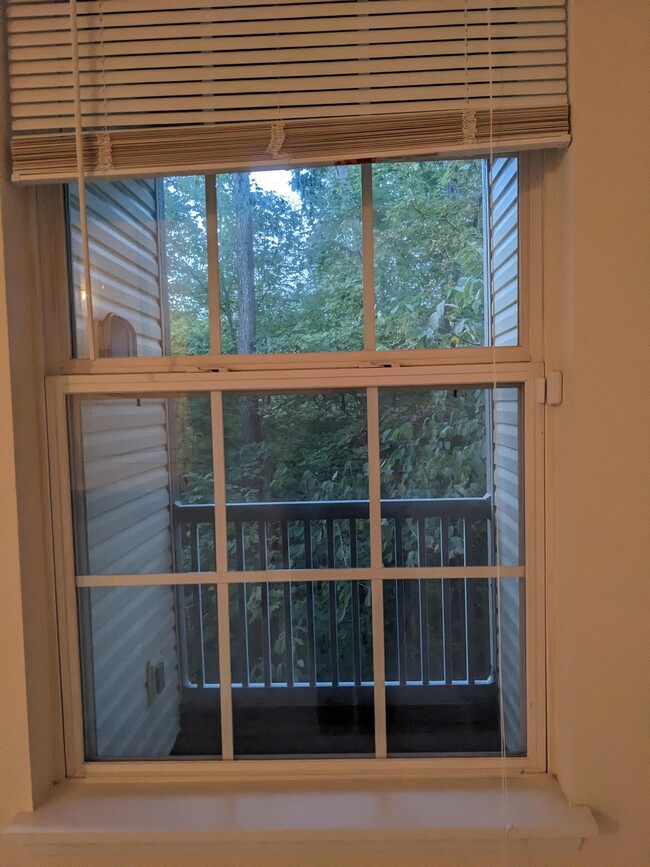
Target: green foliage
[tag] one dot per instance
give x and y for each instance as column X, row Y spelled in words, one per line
column 186, row 264
column 307, row 262
column 428, row 254
column 307, row 255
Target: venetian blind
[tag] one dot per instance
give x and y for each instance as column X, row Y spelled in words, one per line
column 166, row 86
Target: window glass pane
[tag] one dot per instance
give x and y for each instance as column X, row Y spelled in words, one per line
column 508, row 453
column 450, row 476
column 433, row 447
column 150, row 672
column 444, row 662
column 290, row 260
column 296, row 480
column 142, row 484
column 148, row 267
column 431, row 251
column 185, row 264
column 429, row 254
column 302, row 668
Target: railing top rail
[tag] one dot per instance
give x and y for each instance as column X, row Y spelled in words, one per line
column 473, row 508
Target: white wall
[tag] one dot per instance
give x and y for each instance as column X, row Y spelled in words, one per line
column 597, row 307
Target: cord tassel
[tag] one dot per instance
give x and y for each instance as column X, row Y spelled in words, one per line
column 276, row 142
column 104, row 151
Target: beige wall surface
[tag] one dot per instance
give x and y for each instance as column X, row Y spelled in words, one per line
column 597, row 321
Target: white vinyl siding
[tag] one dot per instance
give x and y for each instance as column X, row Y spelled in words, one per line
column 133, row 626
column 126, row 480
column 507, row 427
column 125, row 267
column 503, row 182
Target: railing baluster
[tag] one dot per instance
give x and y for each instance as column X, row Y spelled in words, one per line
column 334, row 650
column 356, row 633
column 309, row 560
column 424, row 607
column 329, row 531
column 242, row 635
column 284, row 543
column 261, row 536
column 356, row 609
column 265, row 613
column 244, row 644
column 470, row 606
column 288, row 624
column 353, row 543
column 446, row 599
column 399, row 543
column 309, row 601
column 193, row 615
column 401, row 605
column 266, row 644
column 201, row 643
column 194, row 547
column 189, row 517
column 311, row 634
column 239, row 546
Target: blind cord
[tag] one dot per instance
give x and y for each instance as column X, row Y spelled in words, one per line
column 492, row 301
column 81, row 184
column 104, row 143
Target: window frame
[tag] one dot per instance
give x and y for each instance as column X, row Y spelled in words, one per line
column 486, row 366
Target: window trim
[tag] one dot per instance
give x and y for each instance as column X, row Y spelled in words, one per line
column 473, row 366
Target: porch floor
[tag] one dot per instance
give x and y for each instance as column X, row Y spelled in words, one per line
column 340, row 721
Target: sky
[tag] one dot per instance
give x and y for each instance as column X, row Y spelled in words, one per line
column 277, row 181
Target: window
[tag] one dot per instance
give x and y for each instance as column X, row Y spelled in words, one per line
column 304, row 467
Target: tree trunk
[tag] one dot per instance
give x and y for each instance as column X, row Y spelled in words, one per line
column 247, row 312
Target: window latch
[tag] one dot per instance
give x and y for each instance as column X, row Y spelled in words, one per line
column 550, row 389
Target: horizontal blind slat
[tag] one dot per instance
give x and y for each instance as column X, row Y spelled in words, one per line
column 250, row 89
column 549, row 96
column 509, row 64
column 334, row 53
column 56, row 31
column 232, row 147
column 280, row 42
column 31, row 9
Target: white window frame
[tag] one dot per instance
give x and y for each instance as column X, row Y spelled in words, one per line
column 481, row 366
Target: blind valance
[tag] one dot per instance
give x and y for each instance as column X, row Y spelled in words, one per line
column 164, row 86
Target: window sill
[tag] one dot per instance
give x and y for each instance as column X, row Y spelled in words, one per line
column 259, row 820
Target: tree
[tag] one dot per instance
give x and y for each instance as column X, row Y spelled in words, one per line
column 290, row 279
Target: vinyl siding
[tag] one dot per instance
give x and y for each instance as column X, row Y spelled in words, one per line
column 125, row 478
column 132, row 626
column 504, row 260
column 124, row 259
column 507, row 430
column 511, row 601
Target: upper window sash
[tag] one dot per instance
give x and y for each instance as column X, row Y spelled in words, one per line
column 429, row 271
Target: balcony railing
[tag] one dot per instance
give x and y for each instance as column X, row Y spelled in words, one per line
column 311, row 634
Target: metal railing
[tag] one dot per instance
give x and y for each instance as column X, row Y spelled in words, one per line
column 317, row 633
